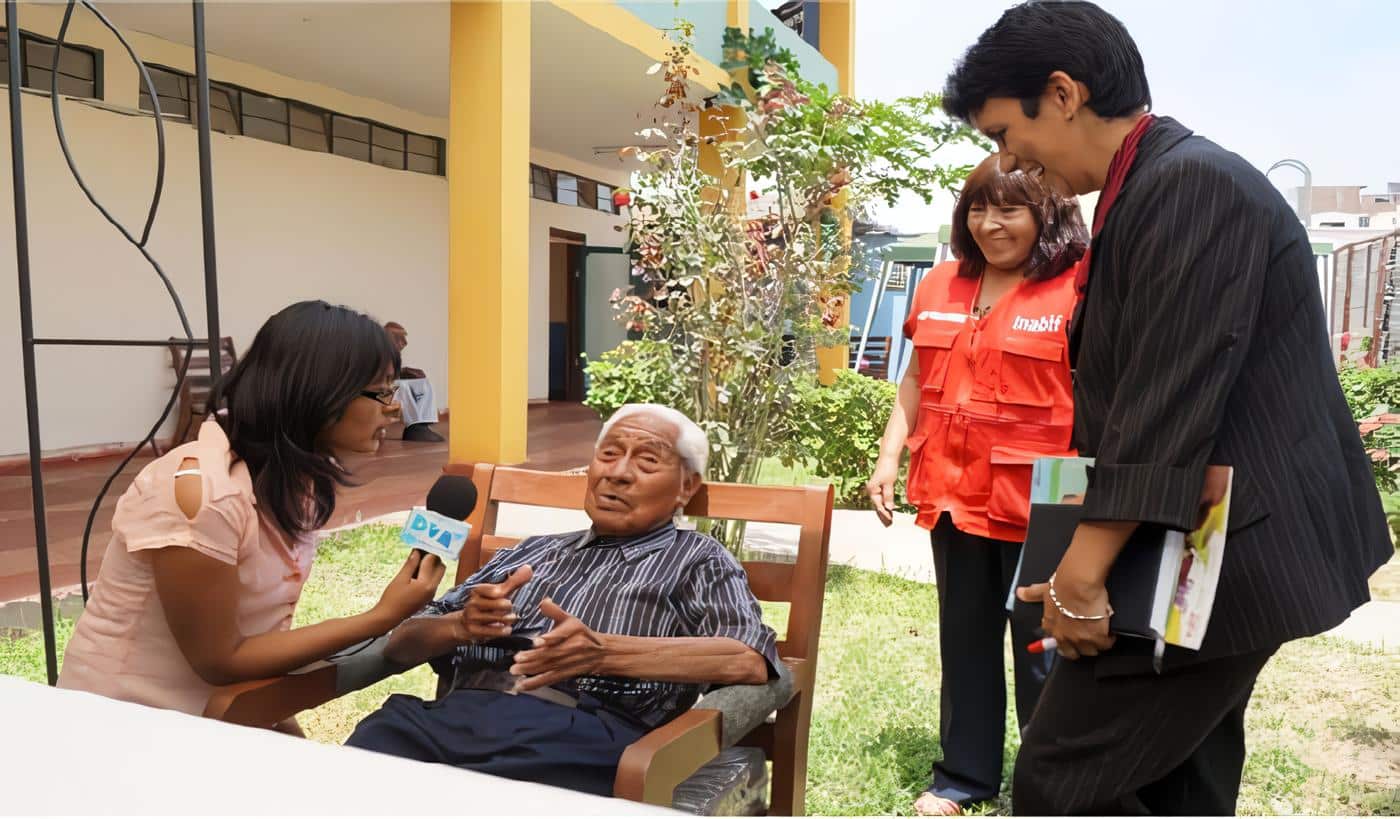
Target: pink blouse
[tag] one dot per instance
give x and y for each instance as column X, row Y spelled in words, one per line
column 122, row 646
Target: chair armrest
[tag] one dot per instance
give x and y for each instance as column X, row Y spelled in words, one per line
column 652, row 767
column 745, row 707
column 264, row 703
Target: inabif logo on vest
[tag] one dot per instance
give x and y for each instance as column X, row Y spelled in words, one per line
column 1044, row 324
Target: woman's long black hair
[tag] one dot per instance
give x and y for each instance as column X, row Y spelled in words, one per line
column 302, row 371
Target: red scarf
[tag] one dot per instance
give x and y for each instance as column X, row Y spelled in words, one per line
column 1117, row 173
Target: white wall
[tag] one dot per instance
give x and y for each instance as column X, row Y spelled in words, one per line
column 596, row 225
column 1336, row 219
column 290, row 225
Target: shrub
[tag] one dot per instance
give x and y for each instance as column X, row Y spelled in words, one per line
column 636, row 372
column 1369, row 392
column 835, row 432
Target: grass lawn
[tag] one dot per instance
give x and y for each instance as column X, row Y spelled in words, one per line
column 1324, row 731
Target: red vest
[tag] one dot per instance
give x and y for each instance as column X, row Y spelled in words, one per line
column 995, row 394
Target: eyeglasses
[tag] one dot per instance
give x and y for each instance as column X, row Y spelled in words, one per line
column 385, row 396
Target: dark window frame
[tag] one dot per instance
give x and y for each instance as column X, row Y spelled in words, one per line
column 602, row 203
column 550, row 180
column 185, row 83
column 97, row 54
column 328, row 116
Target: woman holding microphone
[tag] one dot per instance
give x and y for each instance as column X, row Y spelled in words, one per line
column 987, row 392
column 213, row 541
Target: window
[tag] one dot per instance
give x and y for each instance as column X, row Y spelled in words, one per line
column 245, row 112
column 570, row 189
column 265, row 118
column 899, row 276
column 566, row 189
column 388, row 147
column 541, row 183
column 350, row 137
column 173, row 90
column 309, row 128
column 588, row 194
column 425, row 154
column 223, row 109
column 79, row 66
column 1364, row 221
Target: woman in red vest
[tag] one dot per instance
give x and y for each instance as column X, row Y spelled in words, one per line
column 987, row 392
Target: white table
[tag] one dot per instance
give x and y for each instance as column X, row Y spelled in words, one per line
column 69, row 752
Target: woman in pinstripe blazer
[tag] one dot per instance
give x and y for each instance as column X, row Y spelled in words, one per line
column 1201, row 340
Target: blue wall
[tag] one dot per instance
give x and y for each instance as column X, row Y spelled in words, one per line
column 709, row 18
column 889, row 315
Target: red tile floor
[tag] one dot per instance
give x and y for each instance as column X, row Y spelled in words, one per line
column 560, row 437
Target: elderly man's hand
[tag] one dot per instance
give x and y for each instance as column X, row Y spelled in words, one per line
column 568, row 650
column 489, row 612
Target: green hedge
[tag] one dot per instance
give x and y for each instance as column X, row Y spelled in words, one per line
column 832, row 432
column 835, row 433
column 636, row 372
column 1368, row 392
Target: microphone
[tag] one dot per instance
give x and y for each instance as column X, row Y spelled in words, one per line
column 441, row 529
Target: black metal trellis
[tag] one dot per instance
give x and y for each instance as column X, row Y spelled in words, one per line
column 28, row 340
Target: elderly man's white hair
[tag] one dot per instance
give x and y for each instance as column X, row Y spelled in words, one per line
column 691, row 443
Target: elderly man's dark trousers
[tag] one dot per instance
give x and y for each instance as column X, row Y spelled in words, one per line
column 518, row 737
column 1111, row 736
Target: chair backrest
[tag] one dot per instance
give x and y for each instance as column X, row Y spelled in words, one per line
column 877, row 356
column 801, row 583
column 197, row 377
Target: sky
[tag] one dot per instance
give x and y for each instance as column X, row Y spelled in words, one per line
column 1313, row 80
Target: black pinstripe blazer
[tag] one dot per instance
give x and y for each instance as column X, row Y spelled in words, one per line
column 1202, row 340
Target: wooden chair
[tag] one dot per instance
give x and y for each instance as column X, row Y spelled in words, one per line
column 877, row 356
column 193, row 405
column 652, row 767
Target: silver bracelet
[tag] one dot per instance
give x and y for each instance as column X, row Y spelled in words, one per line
column 1064, row 612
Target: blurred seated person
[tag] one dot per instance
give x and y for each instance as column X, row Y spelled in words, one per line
column 617, row 629
column 415, row 394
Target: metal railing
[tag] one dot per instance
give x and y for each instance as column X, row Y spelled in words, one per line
column 1357, row 294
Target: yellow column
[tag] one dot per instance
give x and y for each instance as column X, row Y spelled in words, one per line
column 738, row 13
column 838, row 41
column 488, row 167
column 721, row 123
column 838, row 46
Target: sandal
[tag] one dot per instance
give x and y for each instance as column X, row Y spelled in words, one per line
column 931, row 804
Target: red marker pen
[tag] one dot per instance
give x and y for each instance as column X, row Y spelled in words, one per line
column 1042, row 646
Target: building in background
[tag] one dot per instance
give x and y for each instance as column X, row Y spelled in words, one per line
column 449, row 166
column 1349, row 207
column 891, row 267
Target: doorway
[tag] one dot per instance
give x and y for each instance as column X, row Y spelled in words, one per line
column 565, row 326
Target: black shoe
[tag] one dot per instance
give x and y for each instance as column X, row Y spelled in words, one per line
column 422, row 433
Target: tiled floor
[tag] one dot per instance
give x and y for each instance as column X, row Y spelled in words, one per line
column 561, row 437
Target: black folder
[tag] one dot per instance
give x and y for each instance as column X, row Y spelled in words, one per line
column 1133, row 582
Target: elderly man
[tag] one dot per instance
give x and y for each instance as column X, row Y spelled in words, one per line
column 568, row 648
column 415, row 394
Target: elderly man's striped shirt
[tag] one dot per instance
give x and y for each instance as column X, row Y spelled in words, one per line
column 665, row 583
